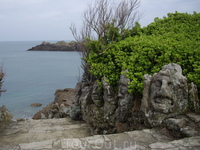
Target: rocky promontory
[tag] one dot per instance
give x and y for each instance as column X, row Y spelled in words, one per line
column 59, row 46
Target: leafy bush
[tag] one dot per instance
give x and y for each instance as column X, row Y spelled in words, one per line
column 173, row 39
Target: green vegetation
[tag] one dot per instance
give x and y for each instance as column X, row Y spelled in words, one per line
column 172, row 39
column 60, row 43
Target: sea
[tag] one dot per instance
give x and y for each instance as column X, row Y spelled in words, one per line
column 34, row 76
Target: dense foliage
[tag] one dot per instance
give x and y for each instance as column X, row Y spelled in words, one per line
column 172, row 39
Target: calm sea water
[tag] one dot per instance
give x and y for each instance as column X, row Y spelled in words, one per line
column 34, row 76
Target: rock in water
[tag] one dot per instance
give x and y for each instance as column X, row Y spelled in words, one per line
column 59, row 46
column 36, row 105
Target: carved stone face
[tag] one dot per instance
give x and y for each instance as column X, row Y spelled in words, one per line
column 96, row 95
column 167, row 91
column 161, row 94
column 109, row 94
column 123, row 94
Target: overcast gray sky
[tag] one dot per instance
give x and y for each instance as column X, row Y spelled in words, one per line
column 27, row 20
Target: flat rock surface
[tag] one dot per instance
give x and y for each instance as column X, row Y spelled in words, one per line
column 65, row 134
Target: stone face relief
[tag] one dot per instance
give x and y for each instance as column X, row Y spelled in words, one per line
column 123, row 95
column 109, row 94
column 97, row 95
column 167, row 93
column 109, row 99
column 124, row 100
column 168, row 90
column 161, row 94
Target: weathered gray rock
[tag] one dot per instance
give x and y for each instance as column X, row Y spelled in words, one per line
column 194, row 98
column 76, row 113
column 175, row 126
column 194, row 117
column 96, row 95
column 103, row 107
column 110, row 101
column 125, row 100
column 165, row 94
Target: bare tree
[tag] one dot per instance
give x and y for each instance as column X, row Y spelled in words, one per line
column 101, row 13
column 96, row 20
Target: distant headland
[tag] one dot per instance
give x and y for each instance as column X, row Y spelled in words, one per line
column 59, row 46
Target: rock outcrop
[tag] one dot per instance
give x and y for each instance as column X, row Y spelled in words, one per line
column 59, row 46
column 168, row 100
column 60, row 108
column 5, row 115
column 166, row 95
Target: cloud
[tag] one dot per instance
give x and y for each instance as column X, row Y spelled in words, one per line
column 2, row 16
column 160, row 8
column 50, row 19
column 49, row 14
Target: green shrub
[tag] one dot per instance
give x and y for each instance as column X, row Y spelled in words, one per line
column 173, row 39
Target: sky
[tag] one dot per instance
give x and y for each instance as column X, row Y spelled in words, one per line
column 46, row 20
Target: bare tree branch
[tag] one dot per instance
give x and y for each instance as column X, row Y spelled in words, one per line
column 96, row 20
column 2, row 75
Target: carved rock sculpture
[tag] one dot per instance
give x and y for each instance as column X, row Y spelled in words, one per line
column 166, row 96
column 124, row 100
column 109, row 100
column 103, row 107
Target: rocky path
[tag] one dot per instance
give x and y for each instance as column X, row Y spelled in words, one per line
column 65, row 134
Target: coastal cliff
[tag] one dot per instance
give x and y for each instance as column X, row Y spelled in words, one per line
column 59, row 46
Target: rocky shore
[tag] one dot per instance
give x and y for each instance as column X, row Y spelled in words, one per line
column 59, row 46
column 60, row 107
